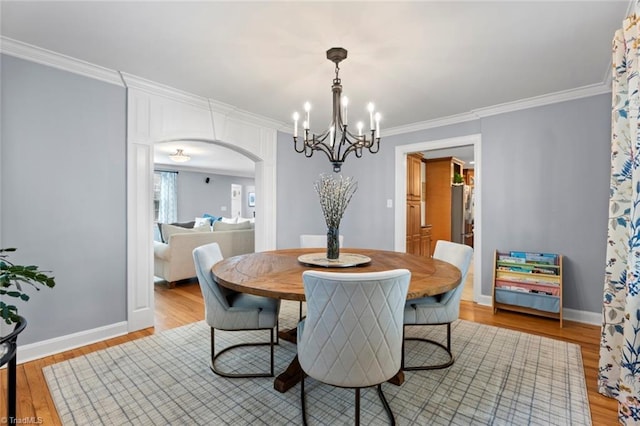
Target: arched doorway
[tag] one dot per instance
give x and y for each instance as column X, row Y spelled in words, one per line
column 160, row 116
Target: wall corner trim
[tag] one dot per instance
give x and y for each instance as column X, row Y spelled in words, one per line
column 42, row 56
column 59, row 344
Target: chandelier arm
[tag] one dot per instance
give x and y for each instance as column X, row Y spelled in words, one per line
column 352, row 148
column 374, row 142
column 295, row 145
column 309, row 144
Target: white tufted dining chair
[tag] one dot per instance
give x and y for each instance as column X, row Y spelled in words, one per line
column 352, row 336
column 443, row 308
column 232, row 311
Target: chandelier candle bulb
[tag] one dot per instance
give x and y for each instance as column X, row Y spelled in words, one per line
column 296, row 116
column 307, row 108
column 378, row 124
column 370, row 109
column 360, row 126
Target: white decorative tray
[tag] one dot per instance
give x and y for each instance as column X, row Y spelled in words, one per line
column 344, row 261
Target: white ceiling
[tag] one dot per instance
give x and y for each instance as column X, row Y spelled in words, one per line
column 205, row 157
column 416, row 60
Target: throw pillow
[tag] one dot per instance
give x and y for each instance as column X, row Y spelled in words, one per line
column 212, row 217
column 203, row 228
column 229, row 220
column 202, row 221
column 183, row 224
column 222, row 226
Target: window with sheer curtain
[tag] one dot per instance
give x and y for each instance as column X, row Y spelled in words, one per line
column 165, row 196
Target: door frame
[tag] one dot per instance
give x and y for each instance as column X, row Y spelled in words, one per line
column 401, row 152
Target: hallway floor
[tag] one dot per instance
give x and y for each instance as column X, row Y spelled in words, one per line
column 467, row 293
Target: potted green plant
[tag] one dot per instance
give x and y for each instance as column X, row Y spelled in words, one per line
column 13, row 278
column 457, row 179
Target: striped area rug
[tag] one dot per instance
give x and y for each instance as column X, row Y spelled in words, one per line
column 500, row 377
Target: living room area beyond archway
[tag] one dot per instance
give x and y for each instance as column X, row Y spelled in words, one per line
column 205, row 195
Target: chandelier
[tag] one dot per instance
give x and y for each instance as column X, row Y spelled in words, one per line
column 337, row 142
column 179, row 156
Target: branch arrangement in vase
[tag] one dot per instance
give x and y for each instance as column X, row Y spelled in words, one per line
column 335, row 194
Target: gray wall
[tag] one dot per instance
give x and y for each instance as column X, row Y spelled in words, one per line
column 196, row 197
column 63, row 194
column 545, row 188
column 298, row 208
column 545, row 183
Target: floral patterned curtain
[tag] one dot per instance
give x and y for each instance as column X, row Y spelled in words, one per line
column 619, row 369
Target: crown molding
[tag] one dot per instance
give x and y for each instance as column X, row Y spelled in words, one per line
column 551, row 98
column 42, row 56
column 134, row 82
column 476, row 114
column 430, row 124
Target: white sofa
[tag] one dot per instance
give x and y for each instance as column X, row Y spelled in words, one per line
column 173, row 261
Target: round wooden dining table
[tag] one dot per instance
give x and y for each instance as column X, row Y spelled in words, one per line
column 278, row 274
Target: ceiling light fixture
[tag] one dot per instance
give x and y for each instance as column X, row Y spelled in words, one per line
column 179, row 156
column 337, row 142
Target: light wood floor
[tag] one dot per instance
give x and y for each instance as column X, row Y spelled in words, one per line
column 183, row 305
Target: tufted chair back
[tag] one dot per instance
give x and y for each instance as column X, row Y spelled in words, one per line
column 216, row 301
column 352, row 336
column 460, row 256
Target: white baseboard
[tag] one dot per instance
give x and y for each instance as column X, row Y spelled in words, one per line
column 593, row 318
column 56, row 345
column 484, row 301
